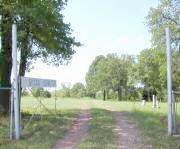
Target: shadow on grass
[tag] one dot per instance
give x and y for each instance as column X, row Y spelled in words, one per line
column 42, row 132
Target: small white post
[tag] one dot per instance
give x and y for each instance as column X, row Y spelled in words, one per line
column 143, row 102
column 15, row 79
column 169, row 81
column 157, row 103
column 154, row 101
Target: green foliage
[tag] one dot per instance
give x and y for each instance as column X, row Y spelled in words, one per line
column 112, row 94
column 46, row 94
column 24, row 92
column 152, row 68
column 37, row 92
column 64, row 91
column 42, row 33
column 78, row 90
column 40, row 92
column 166, row 14
column 109, row 73
column 91, row 77
column 153, row 61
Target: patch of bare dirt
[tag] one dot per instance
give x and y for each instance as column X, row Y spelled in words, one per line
column 75, row 135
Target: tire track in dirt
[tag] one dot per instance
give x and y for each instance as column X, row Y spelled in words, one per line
column 128, row 133
column 76, row 134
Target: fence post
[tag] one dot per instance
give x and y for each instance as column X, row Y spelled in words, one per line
column 169, row 81
column 15, row 79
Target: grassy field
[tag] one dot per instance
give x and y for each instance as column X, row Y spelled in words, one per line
column 45, row 130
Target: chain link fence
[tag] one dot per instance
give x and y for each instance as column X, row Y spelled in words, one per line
column 4, row 117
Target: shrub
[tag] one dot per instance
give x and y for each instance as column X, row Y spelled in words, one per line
column 37, row 92
column 78, row 90
column 112, row 94
column 64, row 92
column 24, row 92
column 40, row 92
column 46, row 94
column 99, row 95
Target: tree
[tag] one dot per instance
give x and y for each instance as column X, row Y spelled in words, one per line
column 109, row 72
column 37, row 92
column 40, row 92
column 166, row 14
column 91, row 77
column 78, row 90
column 42, row 34
column 176, row 70
column 46, row 94
column 65, row 91
column 152, row 69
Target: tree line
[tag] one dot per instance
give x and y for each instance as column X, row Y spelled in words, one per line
column 43, row 34
column 121, row 75
column 114, row 76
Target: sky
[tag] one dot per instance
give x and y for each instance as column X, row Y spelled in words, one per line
column 102, row 26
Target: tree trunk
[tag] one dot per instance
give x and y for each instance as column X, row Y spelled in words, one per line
column 119, row 93
column 5, row 60
column 104, row 95
column 25, row 48
column 149, row 96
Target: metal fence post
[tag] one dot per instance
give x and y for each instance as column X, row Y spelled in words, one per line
column 169, row 81
column 15, row 79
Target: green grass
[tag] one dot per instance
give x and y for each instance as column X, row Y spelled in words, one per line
column 101, row 131
column 44, row 133
column 154, row 128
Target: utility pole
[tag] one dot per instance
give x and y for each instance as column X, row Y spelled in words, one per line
column 15, row 80
column 169, row 80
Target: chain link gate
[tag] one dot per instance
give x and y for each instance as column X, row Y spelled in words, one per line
column 6, row 120
column 176, row 112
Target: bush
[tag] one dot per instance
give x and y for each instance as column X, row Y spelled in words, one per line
column 46, row 94
column 40, row 92
column 78, row 90
column 99, row 95
column 65, row 92
column 36, row 92
column 24, row 92
column 112, row 94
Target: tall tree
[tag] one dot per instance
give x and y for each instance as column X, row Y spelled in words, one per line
column 92, row 86
column 41, row 33
column 110, row 72
column 166, row 14
column 152, row 69
column 78, row 90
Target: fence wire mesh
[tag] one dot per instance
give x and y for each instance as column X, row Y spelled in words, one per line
column 176, row 113
column 4, row 117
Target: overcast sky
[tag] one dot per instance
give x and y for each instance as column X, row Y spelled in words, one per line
column 102, row 26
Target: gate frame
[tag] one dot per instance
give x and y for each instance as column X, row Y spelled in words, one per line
column 171, row 94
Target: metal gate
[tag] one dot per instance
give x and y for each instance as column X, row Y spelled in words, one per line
column 5, row 119
column 176, row 112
